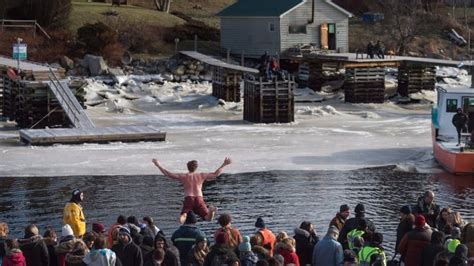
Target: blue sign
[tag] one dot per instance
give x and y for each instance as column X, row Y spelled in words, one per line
column 19, row 51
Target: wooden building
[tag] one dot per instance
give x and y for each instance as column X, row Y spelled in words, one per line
column 253, row 27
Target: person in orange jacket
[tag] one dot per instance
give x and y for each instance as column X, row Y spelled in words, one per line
column 266, row 235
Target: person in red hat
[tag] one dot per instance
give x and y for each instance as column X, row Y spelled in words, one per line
column 192, row 182
column 221, row 252
column 412, row 244
column 99, row 229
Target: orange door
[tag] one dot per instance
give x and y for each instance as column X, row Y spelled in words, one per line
column 324, row 36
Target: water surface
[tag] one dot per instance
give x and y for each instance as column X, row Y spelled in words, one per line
column 283, row 198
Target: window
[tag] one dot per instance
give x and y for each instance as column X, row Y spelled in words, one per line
column 451, row 105
column 297, row 29
column 271, row 27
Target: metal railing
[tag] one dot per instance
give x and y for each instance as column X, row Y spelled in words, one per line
column 11, row 23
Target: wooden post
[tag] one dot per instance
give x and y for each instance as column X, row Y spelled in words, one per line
column 472, row 75
column 34, row 30
column 277, row 118
column 195, row 42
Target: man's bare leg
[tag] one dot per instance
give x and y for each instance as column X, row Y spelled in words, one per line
column 182, row 218
column 212, row 212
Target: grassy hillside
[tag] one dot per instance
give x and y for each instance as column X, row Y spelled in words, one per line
column 83, row 13
column 203, row 10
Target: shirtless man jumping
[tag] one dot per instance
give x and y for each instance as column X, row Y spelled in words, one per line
column 192, row 182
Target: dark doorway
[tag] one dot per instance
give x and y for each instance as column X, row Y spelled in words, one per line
column 332, row 36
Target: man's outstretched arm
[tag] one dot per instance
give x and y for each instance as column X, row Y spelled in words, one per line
column 163, row 170
column 219, row 170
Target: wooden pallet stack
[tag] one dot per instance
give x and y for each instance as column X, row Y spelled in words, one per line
column 226, row 84
column 9, row 91
column 365, row 85
column 413, row 78
column 269, row 101
column 32, row 104
column 318, row 74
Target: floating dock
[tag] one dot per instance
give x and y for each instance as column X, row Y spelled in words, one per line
column 91, row 135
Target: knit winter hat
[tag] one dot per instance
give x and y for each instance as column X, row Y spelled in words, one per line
column 222, row 238
column 260, row 223
column 125, row 231
column 406, row 209
column 190, row 218
column 66, row 231
column 98, row 228
column 200, row 238
column 456, row 232
column 245, row 245
column 359, row 208
column 420, row 221
column 76, row 195
column 343, row 208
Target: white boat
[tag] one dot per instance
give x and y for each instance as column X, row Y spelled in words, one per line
column 457, row 159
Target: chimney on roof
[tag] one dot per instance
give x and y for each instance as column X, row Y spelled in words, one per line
column 311, row 21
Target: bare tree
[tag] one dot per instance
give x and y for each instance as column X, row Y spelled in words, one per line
column 403, row 21
column 163, row 5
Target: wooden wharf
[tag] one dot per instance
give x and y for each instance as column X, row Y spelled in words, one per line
column 41, row 97
column 226, row 77
column 269, row 101
column 363, row 81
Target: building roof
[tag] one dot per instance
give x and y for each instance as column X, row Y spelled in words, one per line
column 259, row 8
column 267, row 8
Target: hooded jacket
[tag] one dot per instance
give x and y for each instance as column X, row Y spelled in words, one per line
column 221, row 251
column 35, row 251
column 405, row 226
column 14, row 258
column 64, row 247
column 171, row 252
column 460, row 256
column 248, row 259
column 288, row 253
column 412, row 245
column 100, row 257
column 184, row 239
column 74, row 216
column 338, row 221
column 305, row 242
column 129, row 253
column 429, row 252
column 468, row 238
column 51, row 245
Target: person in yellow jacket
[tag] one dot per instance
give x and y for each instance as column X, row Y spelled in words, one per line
column 73, row 214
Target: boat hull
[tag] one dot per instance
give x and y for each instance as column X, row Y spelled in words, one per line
column 456, row 162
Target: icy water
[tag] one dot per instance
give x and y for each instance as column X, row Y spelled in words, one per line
column 283, row 198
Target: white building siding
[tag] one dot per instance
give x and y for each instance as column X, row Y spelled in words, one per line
column 250, row 35
column 324, row 13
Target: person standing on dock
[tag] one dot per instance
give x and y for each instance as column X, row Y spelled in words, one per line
column 192, row 182
column 459, row 121
column 73, row 214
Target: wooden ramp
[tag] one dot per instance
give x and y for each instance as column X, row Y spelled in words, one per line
column 69, row 103
column 218, row 63
column 88, row 135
